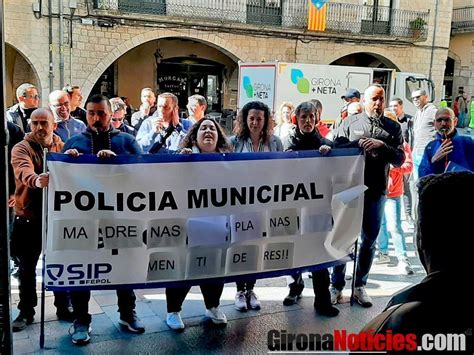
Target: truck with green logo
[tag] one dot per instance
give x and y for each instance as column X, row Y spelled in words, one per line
column 276, row 82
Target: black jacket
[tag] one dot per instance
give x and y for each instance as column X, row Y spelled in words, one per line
column 407, row 128
column 296, row 140
column 15, row 135
column 377, row 165
column 428, row 307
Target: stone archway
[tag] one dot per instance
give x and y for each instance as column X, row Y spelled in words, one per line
column 208, row 39
column 453, row 79
column 365, row 59
column 20, row 68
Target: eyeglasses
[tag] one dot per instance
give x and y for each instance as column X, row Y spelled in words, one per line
column 415, row 97
column 36, row 97
column 445, row 119
column 66, row 104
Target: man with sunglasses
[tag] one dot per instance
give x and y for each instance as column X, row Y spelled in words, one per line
column 119, row 111
column 28, row 101
column 448, row 148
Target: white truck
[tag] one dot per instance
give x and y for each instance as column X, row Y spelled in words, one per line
column 278, row 82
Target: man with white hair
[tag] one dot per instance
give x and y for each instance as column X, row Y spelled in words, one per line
column 67, row 126
column 28, row 101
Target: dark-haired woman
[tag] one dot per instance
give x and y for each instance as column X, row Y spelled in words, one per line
column 253, row 133
column 206, row 136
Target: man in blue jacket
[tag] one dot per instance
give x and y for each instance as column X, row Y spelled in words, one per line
column 103, row 140
column 448, row 148
column 67, row 126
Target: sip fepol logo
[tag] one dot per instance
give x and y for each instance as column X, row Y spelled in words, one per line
column 78, row 274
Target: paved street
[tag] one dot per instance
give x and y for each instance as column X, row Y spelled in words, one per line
column 245, row 332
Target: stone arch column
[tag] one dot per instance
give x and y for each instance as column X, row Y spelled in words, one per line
column 210, row 39
column 376, row 52
column 461, row 73
column 34, row 62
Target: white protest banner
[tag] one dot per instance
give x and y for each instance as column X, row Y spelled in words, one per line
column 157, row 220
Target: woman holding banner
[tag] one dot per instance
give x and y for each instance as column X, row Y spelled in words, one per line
column 253, row 133
column 206, row 136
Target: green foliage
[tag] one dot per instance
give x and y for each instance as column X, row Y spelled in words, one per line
column 417, row 24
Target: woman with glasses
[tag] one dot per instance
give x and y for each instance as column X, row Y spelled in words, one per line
column 204, row 137
column 119, row 111
column 253, row 133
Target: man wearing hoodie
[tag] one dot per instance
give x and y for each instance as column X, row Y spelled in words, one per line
column 101, row 139
column 26, row 238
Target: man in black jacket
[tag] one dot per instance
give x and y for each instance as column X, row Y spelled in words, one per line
column 430, row 307
column 382, row 142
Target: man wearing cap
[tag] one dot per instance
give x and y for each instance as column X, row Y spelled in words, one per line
column 67, row 126
column 351, row 95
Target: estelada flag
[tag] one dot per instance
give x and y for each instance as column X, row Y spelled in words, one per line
column 317, row 15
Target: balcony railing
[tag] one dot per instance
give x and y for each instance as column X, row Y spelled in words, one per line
column 348, row 19
column 463, row 20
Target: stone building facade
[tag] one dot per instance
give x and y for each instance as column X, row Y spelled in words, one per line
column 103, row 44
column 459, row 73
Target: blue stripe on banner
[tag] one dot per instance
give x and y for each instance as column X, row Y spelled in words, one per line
column 181, row 158
column 225, row 279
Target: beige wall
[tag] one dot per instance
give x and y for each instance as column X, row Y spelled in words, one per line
column 462, row 3
column 136, row 70
column 96, row 48
column 462, row 50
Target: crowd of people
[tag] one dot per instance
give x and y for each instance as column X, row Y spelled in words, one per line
column 398, row 149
